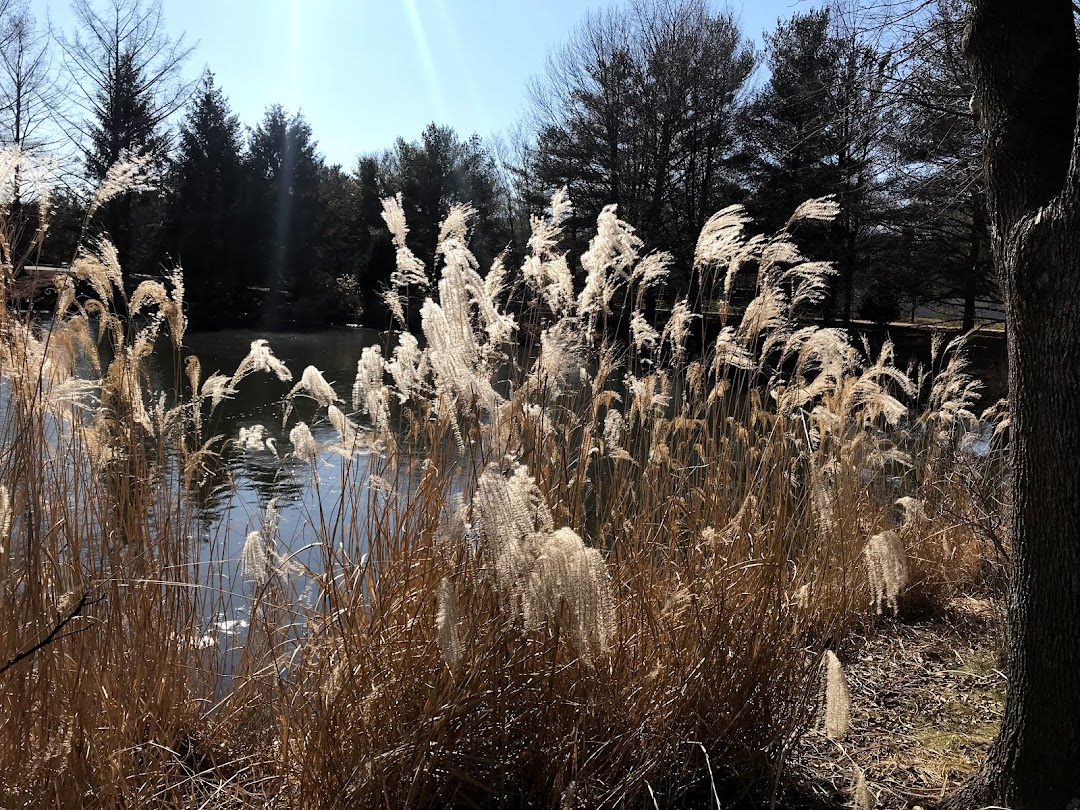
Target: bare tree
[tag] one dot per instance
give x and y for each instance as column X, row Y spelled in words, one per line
column 639, row 109
column 125, row 82
column 126, row 78
column 28, row 88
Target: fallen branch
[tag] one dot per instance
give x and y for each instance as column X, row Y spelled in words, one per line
column 72, row 613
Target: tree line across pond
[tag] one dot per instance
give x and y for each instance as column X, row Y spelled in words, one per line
column 665, row 107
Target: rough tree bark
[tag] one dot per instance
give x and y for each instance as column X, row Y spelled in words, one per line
column 1024, row 61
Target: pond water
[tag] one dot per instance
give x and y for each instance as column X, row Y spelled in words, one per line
column 232, row 500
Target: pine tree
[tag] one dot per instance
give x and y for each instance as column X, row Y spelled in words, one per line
column 206, row 232
column 282, row 210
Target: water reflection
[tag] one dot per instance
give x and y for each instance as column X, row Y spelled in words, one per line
column 231, row 495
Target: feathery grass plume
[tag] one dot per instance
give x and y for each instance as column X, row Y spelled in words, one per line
column 455, row 359
column 455, row 226
column 569, row 586
column 545, row 232
column 148, row 292
column 446, row 624
column 642, row 335
column 861, row 796
column 100, row 266
column 837, row 698
column 614, row 429
column 721, row 238
column 369, row 374
column 351, row 438
column 409, row 270
column 495, row 280
column 677, row 329
column 953, row 395
column 544, row 269
column 821, row 209
column 649, row 272
column 255, row 557
column 258, row 556
column 728, row 351
column 510, row 509
column 914, row 514
column 5, row 518
column 544, row 576
column 887, row 568
column 823, row 494
column 779, row 254
column 408, row 368
column 304, row 445
column 254, row 438
column 870, row 394
column 132, row 173
column 370, row 392
column 173, row 309
column 260, row 357
column 765, row 313
column 312, row 384
column 30, row 174
column 611, row 253
column 461, row 289
column 562, row 354
column 811, row 281
column 648, row 394
column 217, row 388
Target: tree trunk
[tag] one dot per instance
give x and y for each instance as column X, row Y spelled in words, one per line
column 1024, row 62
column 971, row 282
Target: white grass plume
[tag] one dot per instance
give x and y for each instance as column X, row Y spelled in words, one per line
column 821, row 209
column 545, row 269
column 130, row 174
column 446, row 624
column 721, row 238
column 643, row 336
column 677, row 329
column 100, row 267
column 410, row 270
column 370, row 392
column 837, row 698
column 562, row 354
column 408, row 368
column 5, row 518
column 314, row 385
column 260, row 357
column 887, row 569
column 305, row 447
column 612, row 252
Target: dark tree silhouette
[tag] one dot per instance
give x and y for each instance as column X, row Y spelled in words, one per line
column 1024, row 62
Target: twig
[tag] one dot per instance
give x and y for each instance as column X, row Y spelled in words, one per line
column 83, row 602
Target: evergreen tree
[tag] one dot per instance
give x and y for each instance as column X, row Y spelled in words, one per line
column 206, row 231
column 816, row 129
column 126, row 83
column 937, row 146
column 282, row 210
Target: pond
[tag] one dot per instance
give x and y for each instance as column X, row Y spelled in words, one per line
column 232, row 501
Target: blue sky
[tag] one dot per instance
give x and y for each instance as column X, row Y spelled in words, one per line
column 363, row 72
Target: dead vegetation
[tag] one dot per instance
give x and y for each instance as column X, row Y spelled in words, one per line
column 582, row 573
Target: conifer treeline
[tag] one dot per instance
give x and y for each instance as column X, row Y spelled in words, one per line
column 653, row 107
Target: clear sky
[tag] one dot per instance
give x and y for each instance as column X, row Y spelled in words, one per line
column 363, row 72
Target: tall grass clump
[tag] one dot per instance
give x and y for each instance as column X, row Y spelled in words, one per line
column 578, row 558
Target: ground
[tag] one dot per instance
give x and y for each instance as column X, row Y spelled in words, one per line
column 926, row 701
